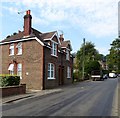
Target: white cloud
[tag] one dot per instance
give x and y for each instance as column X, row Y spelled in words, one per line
column 11, row 9
column 102, row 28
column 97, row 17
column 103, row 50
column 53, row 15
column 38, row 20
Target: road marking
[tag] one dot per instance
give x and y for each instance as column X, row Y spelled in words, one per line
column 115, row 103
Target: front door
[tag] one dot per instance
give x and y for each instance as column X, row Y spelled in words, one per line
column 61, row 75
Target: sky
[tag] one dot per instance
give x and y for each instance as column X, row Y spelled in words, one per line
column 94, row 20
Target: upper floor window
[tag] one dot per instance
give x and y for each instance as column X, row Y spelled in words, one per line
column 68, row 72
column 19, row 48
column 51, row 71
column 19, row 70
column 54, row 49
column 67, row 54
column 11, row 49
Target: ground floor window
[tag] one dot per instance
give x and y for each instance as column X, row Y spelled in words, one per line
column 68, row 72
column 51, row 71
column 19, row 70
column 11, row 69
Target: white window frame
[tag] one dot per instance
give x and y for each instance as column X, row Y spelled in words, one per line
column 19, row 70
column 54, row 48
column 19, row 47
column 51, row 71
column 11, row 49
column 11, row 69
column 11, row 72
column 68, row 72
column 67, row 54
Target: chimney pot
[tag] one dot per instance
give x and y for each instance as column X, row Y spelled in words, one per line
column 61, row 35
column 61, row 38
column 28, row 12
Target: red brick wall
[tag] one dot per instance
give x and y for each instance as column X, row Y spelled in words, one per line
column 57, row 61
column 0, row 59
column 32, row 65
column 13, row 90
column 31, row 59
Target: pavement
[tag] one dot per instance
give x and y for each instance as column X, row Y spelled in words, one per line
column 29, row 94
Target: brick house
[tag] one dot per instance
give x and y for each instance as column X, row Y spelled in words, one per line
column 42, row 60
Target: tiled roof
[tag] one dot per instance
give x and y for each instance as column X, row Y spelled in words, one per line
column 65, row 44
column 47, row 35
column 14, row 37
column 39, row 35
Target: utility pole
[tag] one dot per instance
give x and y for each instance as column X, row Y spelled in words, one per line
column 83, row 64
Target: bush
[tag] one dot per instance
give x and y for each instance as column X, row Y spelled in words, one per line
column 75, row 76
column 9, row 80
column 86, row 76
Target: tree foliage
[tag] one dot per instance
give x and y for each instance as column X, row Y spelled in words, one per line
column 92, row 65
column 113, row 59
column 91, row 57
column 90, row 53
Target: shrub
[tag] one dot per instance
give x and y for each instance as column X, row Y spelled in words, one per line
column 9, row 80
column 77, row 76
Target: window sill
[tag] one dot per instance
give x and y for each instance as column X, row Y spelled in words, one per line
column 68, row 77
column 50, row 78
column 19, row 54
column 54, row 55
column 11, row 55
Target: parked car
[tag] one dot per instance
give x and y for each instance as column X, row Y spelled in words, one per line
column 112, row 75
column 97, row 75
column 105, row 76
column 118, row 75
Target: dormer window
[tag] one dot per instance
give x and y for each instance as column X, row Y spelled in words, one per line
column 19, row 48
column 11, row 49
column 54, row 49
column 67, row 54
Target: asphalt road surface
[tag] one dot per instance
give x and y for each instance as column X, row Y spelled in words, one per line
column 90, row 98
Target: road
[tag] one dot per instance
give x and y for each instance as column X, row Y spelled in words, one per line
column 90, row 98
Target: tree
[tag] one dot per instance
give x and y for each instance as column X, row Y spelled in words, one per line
column 90, row 59
column 90, row 53
column 100, row 57
column 92, row 65
column 113, row 59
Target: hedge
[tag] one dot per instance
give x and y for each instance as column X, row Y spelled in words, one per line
column 9, row 80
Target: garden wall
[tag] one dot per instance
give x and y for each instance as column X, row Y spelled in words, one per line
column 13, row 90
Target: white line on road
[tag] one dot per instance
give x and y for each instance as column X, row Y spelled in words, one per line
column 115, row 103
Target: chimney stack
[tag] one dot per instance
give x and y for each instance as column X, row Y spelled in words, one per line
column 61, row 38
column 27, row 23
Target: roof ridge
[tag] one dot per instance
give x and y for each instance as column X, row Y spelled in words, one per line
column 36, row 30
column 49, row 32
column 15, row 35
